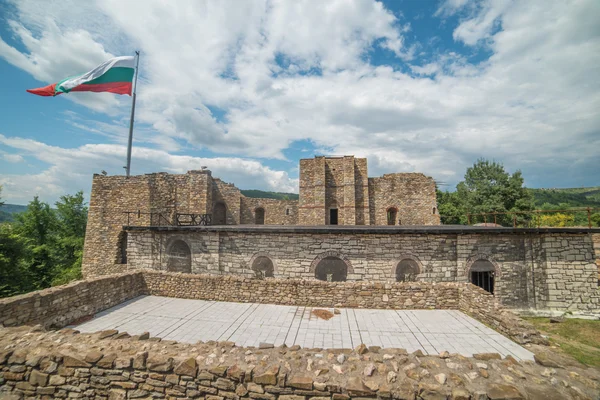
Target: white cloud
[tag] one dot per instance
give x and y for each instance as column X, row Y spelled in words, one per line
column 70, row 170
column 287, row 71
column 13, row 158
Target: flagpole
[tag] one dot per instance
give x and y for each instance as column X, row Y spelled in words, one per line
column 128, row 167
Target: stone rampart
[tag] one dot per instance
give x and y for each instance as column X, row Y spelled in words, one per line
column 115, row 366
column 61, row 305
column 298, row 292
column 532, row 270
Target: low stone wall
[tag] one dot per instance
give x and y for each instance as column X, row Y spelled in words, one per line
column 58, row 306
column 481, row 305
column 64, row 364
column 299, row 292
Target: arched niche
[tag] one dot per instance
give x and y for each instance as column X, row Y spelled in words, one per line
column 179, row 257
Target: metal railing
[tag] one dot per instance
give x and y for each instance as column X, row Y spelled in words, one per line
column 139, row 218
column 531, row 218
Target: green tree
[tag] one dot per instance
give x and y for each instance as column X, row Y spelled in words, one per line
column 451, row 208
column 71, row 214
column 14, row 278
column 595, row 219
column 487, row 188
column 37, row 227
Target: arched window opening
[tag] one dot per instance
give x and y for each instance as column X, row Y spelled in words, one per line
column 407, row 271
column 331, row 269
column 263, row 267
column 287, row 211
column 179, row 257
column 434, row 210
column 392, row 214
column 259, row 216
column 483, row 275
column 219, row 214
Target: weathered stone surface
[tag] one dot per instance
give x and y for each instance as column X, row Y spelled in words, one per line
column 432, row 392
column 187, row 367
column 159, row 364
column 546, row 360
column 357, row 388
column 460, row 394
column 268, row 377
column 139, row 361
column 503, row 392
column 70, row 361
column 361, row 348
column 108, row 361
column 487, row 356
column 300, row 382
column 93, row 356
column 107, row 333
column 38, row 378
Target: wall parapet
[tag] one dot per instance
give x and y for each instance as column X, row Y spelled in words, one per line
column 60, row 305
column 64, row 364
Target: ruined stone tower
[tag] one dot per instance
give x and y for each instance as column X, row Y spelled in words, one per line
column 337, row 191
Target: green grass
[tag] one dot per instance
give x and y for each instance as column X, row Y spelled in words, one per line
column 578, row 338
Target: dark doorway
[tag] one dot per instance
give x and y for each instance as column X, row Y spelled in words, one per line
column 333, row 216
column 483, row 275
column 407, row 271
column 259, row 216
column 263, row 267
column 219, row 214
column 392, row 213
column 179, row 257
column 331, row 269
column 123, row 248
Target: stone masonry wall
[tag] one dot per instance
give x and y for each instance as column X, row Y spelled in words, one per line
column 62, row 305
column 276, row 212
column 111, row 365
column 112, row 196
column 541, row 271
column 411, row 194
column 415, row 295
column 58, row 306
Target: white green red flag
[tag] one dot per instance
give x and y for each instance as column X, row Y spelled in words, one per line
column 114, row 76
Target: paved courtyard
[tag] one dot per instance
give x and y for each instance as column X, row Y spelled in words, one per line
column 249, row 324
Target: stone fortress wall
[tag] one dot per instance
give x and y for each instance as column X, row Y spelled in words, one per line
column 325, row 183
column 543, row 271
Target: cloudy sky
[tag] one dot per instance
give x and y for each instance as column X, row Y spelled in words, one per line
column 248, row 88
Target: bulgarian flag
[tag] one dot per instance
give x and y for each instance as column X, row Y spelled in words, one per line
column 114, row 76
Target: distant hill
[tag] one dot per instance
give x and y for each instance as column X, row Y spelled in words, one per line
column 572, row 197
column 8, row 211
column 270, row 195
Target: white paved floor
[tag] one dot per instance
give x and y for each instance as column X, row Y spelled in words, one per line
column 184, row 320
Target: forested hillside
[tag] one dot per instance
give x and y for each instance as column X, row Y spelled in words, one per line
column 270, row 195
column 574, row 197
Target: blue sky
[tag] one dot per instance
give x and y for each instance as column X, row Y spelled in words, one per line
column 414, row 86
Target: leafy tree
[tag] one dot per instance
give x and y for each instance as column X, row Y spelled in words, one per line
column 72, row 219
column 451, row 208
column 487, row 188
column 14, row 278
column 36, row 227
column 595, row 219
